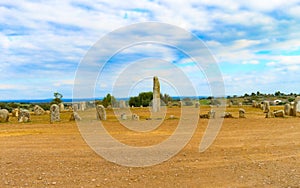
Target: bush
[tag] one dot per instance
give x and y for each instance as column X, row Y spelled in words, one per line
column 143, row 99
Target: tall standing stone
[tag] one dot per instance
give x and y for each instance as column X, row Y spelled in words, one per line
column 122, row 104
column 287, row 109
column 4, row 116
column 295, row 108
column 101, row 113
column 54, row 113
column 267, row 109
column 82, row 106
column 75, row 107
column 61, row 107
column 156, row 95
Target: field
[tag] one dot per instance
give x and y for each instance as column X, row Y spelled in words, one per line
column 250, row 152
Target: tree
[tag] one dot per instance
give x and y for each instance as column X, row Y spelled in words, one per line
column 277, row 93
column 108, row 100
column 166, row 98
column 57, row 98
column 145, row 98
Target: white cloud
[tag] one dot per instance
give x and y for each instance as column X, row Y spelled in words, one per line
column 272, row 63
column 47, row 39
column 252, row 62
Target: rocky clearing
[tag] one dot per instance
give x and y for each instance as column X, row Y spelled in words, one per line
column 250, row 152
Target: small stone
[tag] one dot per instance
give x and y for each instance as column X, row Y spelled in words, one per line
column 54, row 183
column 38, row 110
column 241, row 113
column 24, row 116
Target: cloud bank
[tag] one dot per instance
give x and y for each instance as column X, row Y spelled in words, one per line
column 256, row 43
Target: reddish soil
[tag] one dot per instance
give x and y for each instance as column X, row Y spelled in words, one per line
column 250, row 152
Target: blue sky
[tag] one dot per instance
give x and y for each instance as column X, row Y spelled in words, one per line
column 255, row 43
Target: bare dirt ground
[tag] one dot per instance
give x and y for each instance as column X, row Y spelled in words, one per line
column 250, row 152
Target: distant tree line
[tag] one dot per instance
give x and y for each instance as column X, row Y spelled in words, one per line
column 144, row 99
column 276, row 94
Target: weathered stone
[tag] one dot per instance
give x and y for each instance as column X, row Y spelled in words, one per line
column 122, row 104
column 54, row 113
column 298, row 107
column 75, row 116
column 38, row 110
column 260, row 106
column 254, row 104
column 4, row 115
column 123, row 116
column 211, row 114
column 101, row 113
column 230, row 104
column 295, row 108
column 240, row 104
column 82, row 106
column 227, row 115
column 15, row 112
column 156, row 95
column 135, row 117
column 197, row 105
column 269, row 115
column 61, row 107
column 242, row 113
column 75, row 107
column 287, row 109
column 279, row 113
column 266, row 107
column 204, row 116
column 24, row 116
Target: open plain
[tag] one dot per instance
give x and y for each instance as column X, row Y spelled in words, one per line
column 251, row 152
